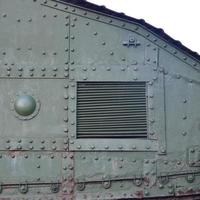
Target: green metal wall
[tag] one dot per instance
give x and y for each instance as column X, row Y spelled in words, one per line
column 46, row 47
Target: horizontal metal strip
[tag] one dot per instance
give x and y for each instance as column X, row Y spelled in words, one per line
column 110, row 97
column 106, row 90
column 108, row 128
column 121, row 113
column 117, row 128
column 113, row 110
column 114, row 132
column 133, row 102
column 111, row 84
column 94, row 118
column 137, row 101
column 110, row 123
column 105, row 107
column 105, row 93
column 111, row 136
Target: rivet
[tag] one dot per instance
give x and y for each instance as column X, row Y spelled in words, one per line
column 96, row 158
column 85, row 78
column 26, row 156
column 66, row 108
column 178, row 76
column 184, row 117
column 66, row 129
column 66, row 74
column 184, row 58
column 64, row 168
column 178, row 163
column 88, row 23
column 148, row 59
column 39, row 156
column 106, row 147
column 94, row 69
column 184, row 133
column 78, row 147
column 66, row 96
column 92, row 147
column 134, row 147
column 95, row 33
column 30, row 147
column 171, row 191
column 64, row 189
column 38, row 166
column 66, row 37
column 146, row 193
column 120, row 147
column 4, row 15
column 72, row 37
column 53, row 148
column 161, row 186
column 165, row 162
column 73, row 10
column 13, row 156
column 108, row 68
column 19, row 141
column 194, row 64
column 123, row 69
column 184, row 100
column 55, row 16
column 42, row 147
column 55, row 5
column 163, row 150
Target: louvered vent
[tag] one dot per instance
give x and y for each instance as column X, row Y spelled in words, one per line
column 111, row 110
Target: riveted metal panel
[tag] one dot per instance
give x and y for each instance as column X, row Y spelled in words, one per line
column 51, row 97
column 124, row 62
column 19, row 167
column 33, row 40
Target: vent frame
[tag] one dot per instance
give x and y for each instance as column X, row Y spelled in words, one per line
column 133, row 90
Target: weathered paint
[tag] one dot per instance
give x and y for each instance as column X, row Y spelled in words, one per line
column 46, row 47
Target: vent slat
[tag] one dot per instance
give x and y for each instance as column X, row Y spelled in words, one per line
column 111, row 110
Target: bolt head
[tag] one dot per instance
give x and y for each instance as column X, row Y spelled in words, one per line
column 25, row 105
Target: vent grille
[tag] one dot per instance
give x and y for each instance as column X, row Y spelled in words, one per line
column 111, row 110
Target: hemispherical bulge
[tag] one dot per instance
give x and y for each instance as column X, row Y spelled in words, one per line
column 25, row 105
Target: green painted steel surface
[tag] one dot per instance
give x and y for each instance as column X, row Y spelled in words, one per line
column 46, row 49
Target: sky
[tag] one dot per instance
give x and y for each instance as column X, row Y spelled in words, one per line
column 179, row 18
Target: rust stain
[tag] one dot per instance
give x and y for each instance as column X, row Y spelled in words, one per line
column 139, row 194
